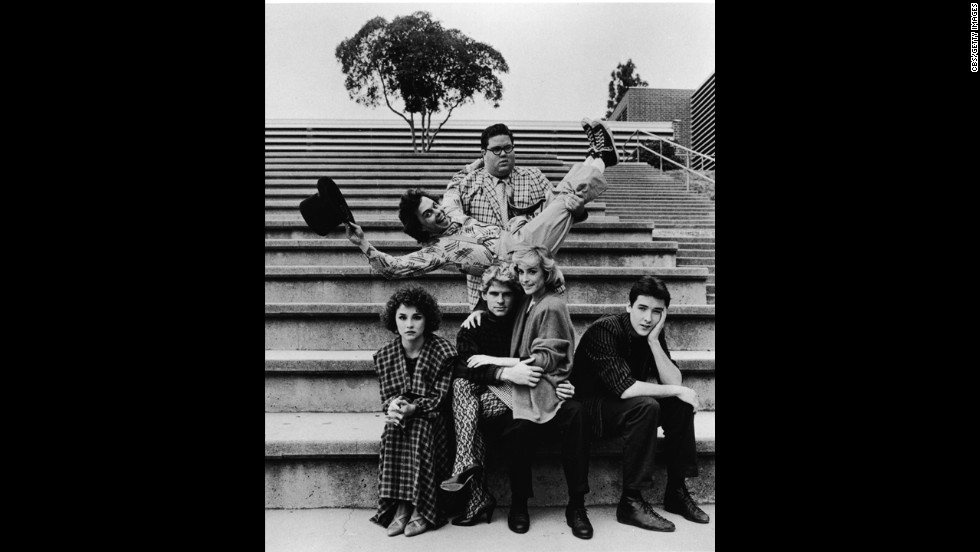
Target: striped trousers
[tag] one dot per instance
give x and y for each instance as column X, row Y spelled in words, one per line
column 473, row 403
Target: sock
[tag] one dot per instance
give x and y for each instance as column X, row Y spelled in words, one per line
column 599, row 164
column 575, row 501
column 518, row 503
column 675, row 483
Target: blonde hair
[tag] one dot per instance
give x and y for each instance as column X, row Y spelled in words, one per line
column 536, row 255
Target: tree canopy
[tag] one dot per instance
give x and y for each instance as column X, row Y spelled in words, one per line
column 622, row 79
column 427, row 68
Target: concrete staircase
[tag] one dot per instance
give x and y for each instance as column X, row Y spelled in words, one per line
column 322, row 302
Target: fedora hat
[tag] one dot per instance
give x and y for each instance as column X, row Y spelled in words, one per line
column 327, row 208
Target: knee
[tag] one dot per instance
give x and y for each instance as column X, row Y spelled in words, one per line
column 644, row 407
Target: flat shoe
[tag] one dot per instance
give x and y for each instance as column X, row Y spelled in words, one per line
column 397, row 526
column 416, row 527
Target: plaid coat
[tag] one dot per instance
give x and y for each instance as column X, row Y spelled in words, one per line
column 416, row 456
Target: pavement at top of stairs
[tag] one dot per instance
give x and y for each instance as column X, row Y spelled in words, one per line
column 348, row 530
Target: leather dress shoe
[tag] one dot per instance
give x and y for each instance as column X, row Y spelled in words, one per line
column 678, row 501
column 460, row 480
column 638, row 512
column 519, row 521
column 416, row 527
column 578, row 520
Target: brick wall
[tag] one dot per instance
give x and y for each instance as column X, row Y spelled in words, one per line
column 658, row 104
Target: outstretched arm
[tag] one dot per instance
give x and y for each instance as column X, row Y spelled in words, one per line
column 420, row 262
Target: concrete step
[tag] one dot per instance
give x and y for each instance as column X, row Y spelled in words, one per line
column 695, row 261
column 345, row 381
column 672, row 225
column 391, row 192
column 565, row 153
column 448, row 162
column 326, row 252
column 668, row 217
column 699, row 253
column 355, row 326
column 383, row 172
column 450, row 166
column 686, row 245
column 357, row 284
column 389, row 229
column 396, row 188
column 348, row 530
column 363, row 207
column 329, row 460
column 684, row 235
column 288, row 215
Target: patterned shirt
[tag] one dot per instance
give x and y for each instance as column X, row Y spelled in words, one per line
column 446, row 249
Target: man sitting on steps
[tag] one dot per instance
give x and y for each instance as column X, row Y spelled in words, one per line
column 629, row 385
column 449, row 237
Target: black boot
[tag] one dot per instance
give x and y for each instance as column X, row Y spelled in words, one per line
column 677, row 500
column 578, row 519
column 518, row 519
column 639, row 512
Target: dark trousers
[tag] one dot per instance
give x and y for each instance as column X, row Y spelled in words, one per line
column 520, row 438
column 636, row 419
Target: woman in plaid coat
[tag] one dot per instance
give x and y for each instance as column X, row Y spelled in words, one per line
column 415, row 374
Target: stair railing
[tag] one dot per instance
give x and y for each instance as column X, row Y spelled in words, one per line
column 701, row 159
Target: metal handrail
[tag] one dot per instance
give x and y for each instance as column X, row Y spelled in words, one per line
column 687, row 156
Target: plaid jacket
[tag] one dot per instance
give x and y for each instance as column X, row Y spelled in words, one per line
column 430, row 382
column 475, row 194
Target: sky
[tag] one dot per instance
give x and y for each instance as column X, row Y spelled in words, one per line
column 560, row 54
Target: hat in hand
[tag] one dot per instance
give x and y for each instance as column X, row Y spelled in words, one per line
column 327, row 208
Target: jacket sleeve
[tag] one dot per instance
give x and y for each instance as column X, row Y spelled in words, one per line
column 599, row 345
column 553, row 345
column 467, row 346
column 438, row 379
column 451, row 199
column 386, row 381
column 424, row 260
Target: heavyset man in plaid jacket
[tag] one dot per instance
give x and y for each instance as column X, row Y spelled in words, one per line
column 494, row 189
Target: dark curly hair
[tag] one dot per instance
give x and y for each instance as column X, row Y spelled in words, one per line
column 417, row 297
column 408, row 213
